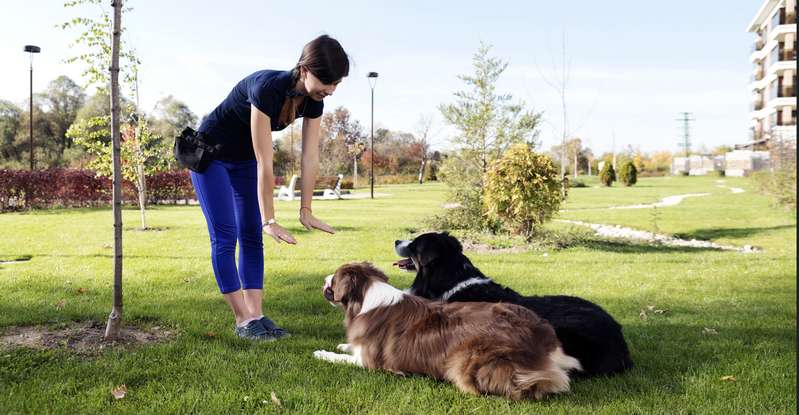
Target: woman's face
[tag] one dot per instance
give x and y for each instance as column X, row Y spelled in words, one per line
column 315, row 88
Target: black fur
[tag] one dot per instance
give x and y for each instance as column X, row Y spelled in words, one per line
column 585, row 330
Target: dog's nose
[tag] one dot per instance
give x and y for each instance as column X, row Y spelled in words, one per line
column 397, row 242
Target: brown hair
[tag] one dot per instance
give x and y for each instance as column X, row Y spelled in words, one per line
column 325, row 59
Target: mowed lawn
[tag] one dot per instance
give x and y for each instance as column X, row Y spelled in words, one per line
column 747, row 301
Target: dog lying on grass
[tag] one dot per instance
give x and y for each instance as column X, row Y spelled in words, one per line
column 482, row 348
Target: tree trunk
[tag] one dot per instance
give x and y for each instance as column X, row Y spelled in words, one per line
column 575, row 164
column 142, row 185
column 355, row 172
column 114, row 325
column 421, row 172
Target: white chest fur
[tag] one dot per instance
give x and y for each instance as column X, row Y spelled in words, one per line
column 380, row 294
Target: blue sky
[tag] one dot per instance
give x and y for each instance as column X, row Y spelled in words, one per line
column 634, row 66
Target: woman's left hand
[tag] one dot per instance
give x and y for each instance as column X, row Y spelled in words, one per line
column 310, row 222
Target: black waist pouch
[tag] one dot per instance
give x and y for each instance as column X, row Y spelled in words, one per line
column 193, row 151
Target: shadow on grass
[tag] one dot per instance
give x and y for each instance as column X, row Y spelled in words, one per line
column 635, row 248
column 710, row 234
column 666, row 354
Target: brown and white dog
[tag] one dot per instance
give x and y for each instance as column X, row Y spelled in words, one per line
column 483, row 348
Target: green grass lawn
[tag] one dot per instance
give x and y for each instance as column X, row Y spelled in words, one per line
column 749, row 299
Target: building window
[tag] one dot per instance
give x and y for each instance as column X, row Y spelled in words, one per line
column 777, row 19
column 774, row 55
column 772, row 120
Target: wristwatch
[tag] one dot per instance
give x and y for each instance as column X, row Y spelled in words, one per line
column 269, row 222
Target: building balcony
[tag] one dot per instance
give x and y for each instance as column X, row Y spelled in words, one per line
column 759, row 43
column 756, row 105
column 787, row 55
column 786, row 92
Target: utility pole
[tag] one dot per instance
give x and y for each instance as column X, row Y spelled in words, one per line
column 686, row 138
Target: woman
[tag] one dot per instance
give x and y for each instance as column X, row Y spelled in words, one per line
column 235, row 192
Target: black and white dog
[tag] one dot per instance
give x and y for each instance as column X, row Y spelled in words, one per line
column 586, row 331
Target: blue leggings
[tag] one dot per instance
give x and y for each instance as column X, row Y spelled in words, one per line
column 228, row 196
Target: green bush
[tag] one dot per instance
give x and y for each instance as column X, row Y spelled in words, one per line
column 464, row 180
column 628, row 174
column 522, row 190
column 779, row 184
column 608, row 175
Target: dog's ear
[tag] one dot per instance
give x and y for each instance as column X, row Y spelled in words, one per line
column 453, row 243
column 342, row 284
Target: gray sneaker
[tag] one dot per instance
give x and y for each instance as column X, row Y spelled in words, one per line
column 254, row 330
column 273, row 329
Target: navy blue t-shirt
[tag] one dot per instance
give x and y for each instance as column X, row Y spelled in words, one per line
column 229, row 123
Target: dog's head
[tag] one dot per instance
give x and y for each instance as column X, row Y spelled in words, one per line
column 426, row 249
column 347, row 286
column 438, row 261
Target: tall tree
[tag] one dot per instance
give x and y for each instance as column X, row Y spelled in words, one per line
column 62, row 100
column 343, row 140
column 487, row 122
column 102, row 68
column 114, row 325
column 171, row 116
column 46, row 147
column 423, row 133
column 10, row 115
column 138, row 141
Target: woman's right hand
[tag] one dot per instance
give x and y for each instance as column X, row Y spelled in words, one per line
column 279, row 234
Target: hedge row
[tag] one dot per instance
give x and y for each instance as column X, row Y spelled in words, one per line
column 52, row 188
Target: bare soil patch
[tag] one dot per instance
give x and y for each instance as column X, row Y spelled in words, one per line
column 84, row 338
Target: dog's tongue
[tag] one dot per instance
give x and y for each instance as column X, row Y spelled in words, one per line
column 405, row 264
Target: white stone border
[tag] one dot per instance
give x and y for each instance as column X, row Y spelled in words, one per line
column 621, row 232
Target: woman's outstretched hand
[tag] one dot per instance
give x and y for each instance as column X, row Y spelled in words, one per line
column 279, row 234
column 310, row 222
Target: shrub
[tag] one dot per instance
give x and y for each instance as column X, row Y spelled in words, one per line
column 465, row 182
column 608, row 175
column 522, row 190
column 169, row 187
column 779, row 184
column 628, row 174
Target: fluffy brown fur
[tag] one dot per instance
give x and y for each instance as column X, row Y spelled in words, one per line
column 483, row 348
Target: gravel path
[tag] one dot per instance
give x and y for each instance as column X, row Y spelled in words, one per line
column 666, row 201
column 621, row 232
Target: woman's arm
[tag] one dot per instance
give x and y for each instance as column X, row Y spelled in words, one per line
column 261, row 131
column 309, row 167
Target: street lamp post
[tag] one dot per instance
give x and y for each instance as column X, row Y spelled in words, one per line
column 372, row 76
column 31, row 49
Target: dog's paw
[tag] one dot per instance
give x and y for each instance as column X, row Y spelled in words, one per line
column 345, row 347
column 322, row 354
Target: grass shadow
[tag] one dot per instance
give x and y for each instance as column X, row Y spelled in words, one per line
column 710, row 234
column 635, row 248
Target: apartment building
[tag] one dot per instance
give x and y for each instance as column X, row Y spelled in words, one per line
column 773, row 81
